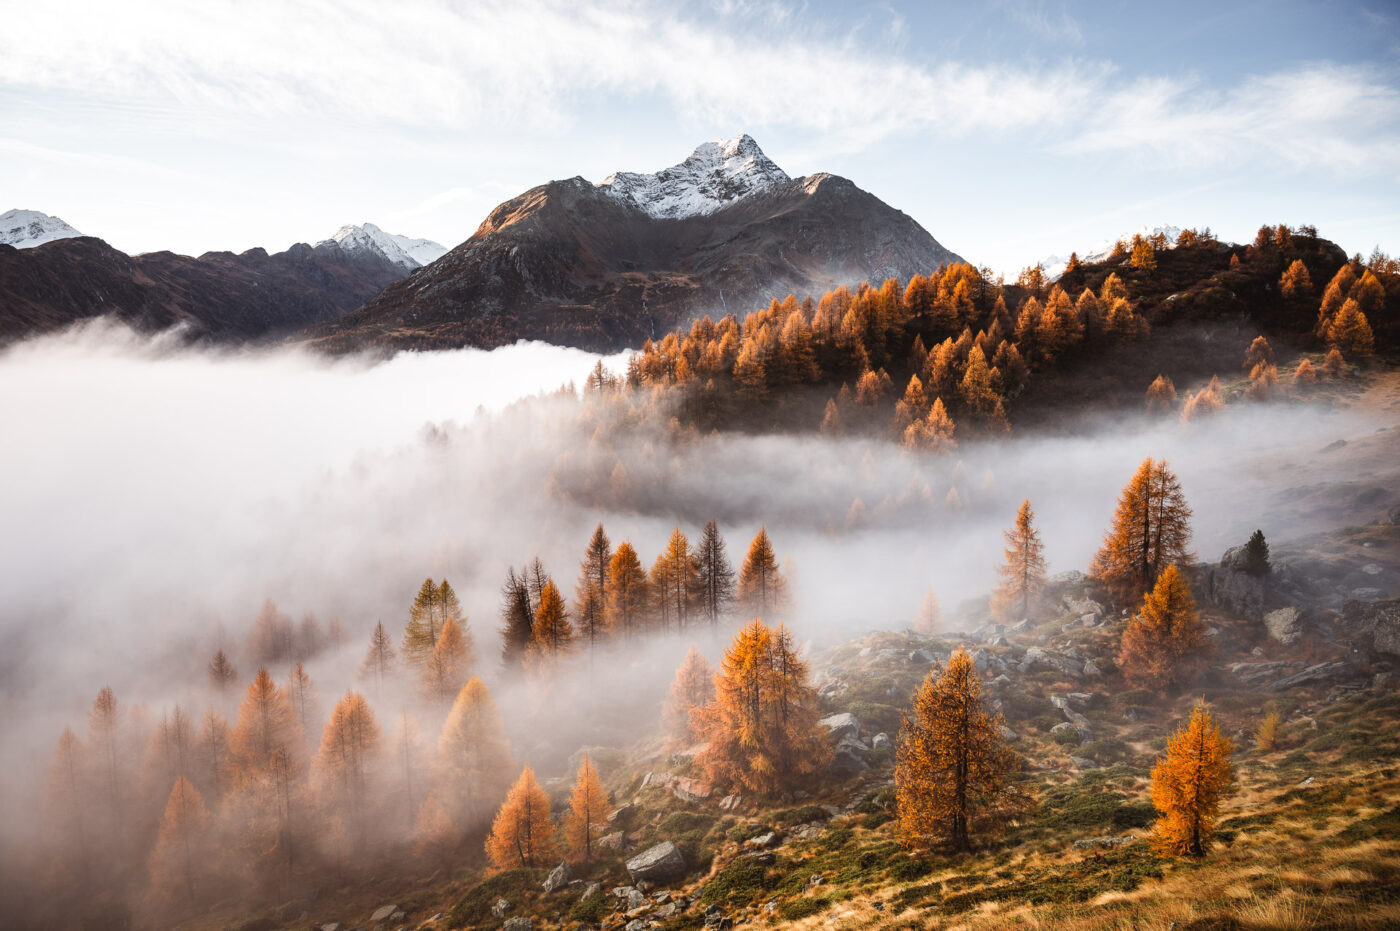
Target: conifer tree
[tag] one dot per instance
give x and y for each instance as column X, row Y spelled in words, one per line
column 181, row 848
column 1023, row 566
column 447, row 665
column 831, row 418
column 588, row 812
column 628, row 591
column 522, row 834
column 266, row 728
column 930, row 619
column 1256, row 555
column 676, row 579
column 1350, row 331
column 762, row 590
column 1296, row 284
column 349, row 749
column 591, row 593
column 518, row 613
column 553, row 633
column 976, row 389
column 473, row 765
column 66, row 803
column 213, row 754
column 379, row 660
column 434, row 605
column 1161, row 394
column 691, row 689
column 1151, row 528
column 270, row 640
column 1188, row 785
column 103, row 722
column 952, row 765
column 934, row 433
column 1266, row 734
column 1259, row 353
column 302, row 694
column 714, row 574
column 1165, row 645
column 1334, row 366
column 221, row 672
column 1369, row 294
column 1304, row 374
column 1143, row 256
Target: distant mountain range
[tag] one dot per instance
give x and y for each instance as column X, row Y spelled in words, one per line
column 25, row 229
column 606, row 266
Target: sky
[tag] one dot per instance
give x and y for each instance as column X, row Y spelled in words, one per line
column 1010, row 130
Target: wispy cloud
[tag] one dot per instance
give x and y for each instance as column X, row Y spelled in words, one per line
column 534, row 63
column 1049, row 21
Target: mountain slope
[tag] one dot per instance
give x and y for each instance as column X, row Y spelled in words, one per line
column 404, row 252
column 25, row 229
column 605, row 266
column 219, row 295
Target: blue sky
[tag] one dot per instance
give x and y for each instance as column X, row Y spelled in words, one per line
column 1010, row 130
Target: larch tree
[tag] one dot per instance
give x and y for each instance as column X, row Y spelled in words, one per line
column 181, row 849
column 692, row 688
column 930, row 619
column 221, row 672
column 762, row 590
column 1023, row 566
column 522, row 834
column 302, row 694
column 1350, row 331
column 1151, row 528
column 591, row 593
column 433, row 606
column 518, row 615
column 379, row 659
column 1188, row 785
column 588, row 812
column 270, row 640
column 447, row 665
column 553, row 633
column 628, row 591
column 1296, row 284
column 1333, row 365
column 761, row 730
column 66, row 803
column 953, row 767
column 472, row 769
column 678, row 583
column 103, row 723
column 1164, row 645
column 714, row 575
column 213, row 754
column 1256, row 555
column 1161, row 395
column 1266, row 734
column 349, row 749
column 266, row 729
column 1258, row 353
column 933, row 433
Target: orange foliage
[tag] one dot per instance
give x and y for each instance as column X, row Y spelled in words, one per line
column 1188, row 785
column 522, row 834
column 1151, row 527
column 1165, row 644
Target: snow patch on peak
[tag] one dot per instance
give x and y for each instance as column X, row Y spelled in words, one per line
column 714, row 176
column 404, row 252
column 25, row 229
column 1054, row 265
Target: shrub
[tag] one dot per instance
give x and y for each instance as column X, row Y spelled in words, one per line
column 797, row 909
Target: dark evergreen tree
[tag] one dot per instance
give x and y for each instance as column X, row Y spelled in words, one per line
column 1256, row 555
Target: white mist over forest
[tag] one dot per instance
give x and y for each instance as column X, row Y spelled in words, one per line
column 154, row 495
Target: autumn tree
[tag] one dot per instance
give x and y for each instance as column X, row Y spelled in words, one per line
column 1304, row 374
column 588, row 812
column 522, row 834
column 433, row 606
column 714, row 574
column 953, row 767
column 66, row 803
column 1296, row 284
column 1350, row 331
column 591, row 592
column 1161, row 394
column 1258, row 353
column 692, row 688
column 553, row 633
column 518, row 614
column 675, row 580
column 1023, row 566
column 1266, row 734
column 221, row 672
column 302, row 694
column 762, row 729
column 1143, row 255
column 103, row 722
column 1151, row 528
column 1164, row 645
column 266, row 728
column 379, row 660
column 213, row 754
column 447, row 665
column 762, row 589
column 473, row 759
column 930, row 618
column 349, row 748
column 629, row 591
column 933, row 433
column 181, row 850
column 1188, row 785
column 270, row 640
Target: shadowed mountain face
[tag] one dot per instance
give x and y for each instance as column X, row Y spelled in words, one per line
column 219, row 296
column 606, row 266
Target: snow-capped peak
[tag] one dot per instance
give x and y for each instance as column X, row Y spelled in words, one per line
column 25, row 229
column 1054, row 265
column 714, row 176
column 402, row 251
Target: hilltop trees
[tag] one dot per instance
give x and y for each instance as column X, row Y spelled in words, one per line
column 1165, row 644
column 762, row 726
column 1023, row 568
column 588, row 812
column 1256, row 555
column 1151, row 528
column 762, row 589
column 522, row 834
column 1188, row 785
column 952, row 766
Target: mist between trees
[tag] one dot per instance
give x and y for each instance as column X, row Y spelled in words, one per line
column 160, row 496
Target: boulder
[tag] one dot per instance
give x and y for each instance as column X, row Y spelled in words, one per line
column 659, row 864
column 616, row 841
column 1380, row 619
column 1007, row 733
column 841, row 725
column 1228, row 586
column 1082, row 606
column 519, row 923
column 590, row 890
column 763, row 841
column 558, row 877
column 1122, row 840
column 1285, row 625
column 921, row 657
column 1083, row 763
column 731, row 802
column 690, row 790
column 1322, row 672
column 880, row 742
column 1037, row 658
column 383, row 913
column 500, row 908
column 846, row 763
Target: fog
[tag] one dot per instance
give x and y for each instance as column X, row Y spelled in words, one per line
column 153, row 495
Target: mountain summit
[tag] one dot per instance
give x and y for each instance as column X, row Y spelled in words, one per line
column 607, row 266
column 25, row 229
column 402, row 251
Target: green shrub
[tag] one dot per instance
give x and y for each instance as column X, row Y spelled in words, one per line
column 797, row 909
column 591, row 910
column 738, row 882
column 474, row 908
column 908, row 869
column 802, row 815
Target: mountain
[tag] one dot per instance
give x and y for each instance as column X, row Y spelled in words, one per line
column 1054, row 265
column 404, row 252
column 25, row 229
column 219, row 295
column 605, row 266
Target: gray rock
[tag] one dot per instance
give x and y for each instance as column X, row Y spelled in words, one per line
column 500, row 908
column 1285, row 625
column 636, row 924
column 590, row 890
column 1121, row 840
column 1064, row 727
column 847, row 763
column 1007, row 733
column 635, row 899
column 1082, row 606
column 383, row 913
column 1228, row 586
column 1083, row 763
column 841, row 725
column 1043, row 659
column 921, row 657
column 665, row 911
column 558, row 877
column 1092, row 669
column 763, row 841
column 1322, row 672
column 1021, row 626
column 519, row 923
column 617, row 841
column 1068, row 577
column 658, row 864
column 1380, row 619
column 880, row 742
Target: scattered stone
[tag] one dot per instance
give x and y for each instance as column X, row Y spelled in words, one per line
column 841, row 725
column 636, row 924
column 383, row 913
column 1229, row 586
column 1285, row 625
column 616, row 841
column 1121, row 840
column 635, row 899
column 1068, row 577
column 657, row 864
column 1382, row 681
column 500, row 908
column 1306, row 782
column 558, row 877
column 519, row 923
column 1083, row 763
column 1092, row 669
column 921, row 657
column 816, row 879
column 1007, row 733
column 880, row 741
column 1372, row 569
column 731, row 802
column 1036, row 657
column 764, row 841
column 1255, row 673
column 657, row 779
column 1131, row 716
column 763, row 856
column 590, row 890
column 333, row 926
column 1021, row 626
column 1322, row 672
column 690, row 790
column 1380, row 619
column 666, row 911
column 623, row 814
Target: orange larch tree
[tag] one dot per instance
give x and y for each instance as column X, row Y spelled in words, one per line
column 692, row 688
column 447, row 664
column 473, row 764
column 1023, row 566
column 762, row 590
column 588, row 812
column 379, row 660
column 1151, row 528
column 952, row 765
column 181, row 851
column 553, row 633
column 1164, row 645
column 930, row 618
column 344, row 765
column 1188, row 785
column 628, row 591
column 522, row 834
